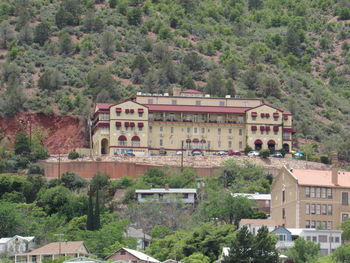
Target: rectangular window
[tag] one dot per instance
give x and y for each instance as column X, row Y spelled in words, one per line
column 283, row 213
column 221, row 103
column 344, row 198
column 198, row 102
column 135, row 143
column 150, row 128
column 307, row 191
column 324, row 209
column 318, row 209
column 195, row 130
column 230, row 131
column 219, row 143
column 104, row 116
column 329, row 193
column 329, row 210
column 150, row 101
column 105, row 130
column 283, row 195
column 313, row 209
column 161, row 142
column 122, row 143
column 203, row 130
column 322, row 238
column 240, row 132
column 313, row 224
column 188, row 130
column 282, row 237
column 307, row 209
column 312, row 193
column 240, row 145
column 219, row 131
column 161, row 128
column 323, row 192
column 174, row 102
column 318, row 192
column 229, row 144
column 314, row 239
column 344, row 217
column 337, row 239
column 329, row 225
column 308, row 238
column 171, row 129
column 307, row 224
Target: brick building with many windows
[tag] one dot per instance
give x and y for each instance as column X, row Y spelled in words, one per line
column 189, row 120
column 310, row 198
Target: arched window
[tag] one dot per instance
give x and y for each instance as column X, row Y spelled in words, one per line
column 135, row 141
column 122, row 140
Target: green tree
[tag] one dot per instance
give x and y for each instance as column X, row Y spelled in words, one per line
column 264, row 248
column 303, row 251
column 216, row 84
column 342, row 253
column 108, row 44
column 54, row 199
column 26, row 34
column 65, row 44
column 293, row 40
column 241, row 249
column 73, row 181
column 22, row 144
column 10, row 223
column 41, row 33
column 193, row 61
column 112, row 3
column 251, row 78
column 141, row 63
column 50, row 80
column 99, row 181
column 13, row 99
column 196, row 258
column 345, row 226
column 7, row 34
column 255, row 4
column 97, row 223
column 134, row 16
column 90, row 215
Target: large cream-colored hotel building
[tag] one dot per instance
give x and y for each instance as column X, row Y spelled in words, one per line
column 188, row 120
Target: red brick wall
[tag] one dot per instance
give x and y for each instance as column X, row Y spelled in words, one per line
column 87, row 169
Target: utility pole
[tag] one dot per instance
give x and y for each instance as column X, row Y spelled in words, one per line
column 182, row 156
column 59, row 243
column 90, row 137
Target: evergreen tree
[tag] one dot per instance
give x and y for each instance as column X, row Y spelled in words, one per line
column 255, row 4
column 108, row 44
column 7, row 34
column 66, row 45
column 26, row 34
column 264, row 248
column 22, row 144
column 141, row 63
column 293, row 40
column 241, row 249
column 112, row 3
column 90, row 215
column 134, row 16
column 41, row 33
column 97, row 223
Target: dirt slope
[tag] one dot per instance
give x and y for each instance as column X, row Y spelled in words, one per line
column 61, row 133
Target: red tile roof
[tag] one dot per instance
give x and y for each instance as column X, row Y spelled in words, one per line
column 193, row 91
column 104, row 106
column 320, row 178
column 71, row 247
column 196, row 109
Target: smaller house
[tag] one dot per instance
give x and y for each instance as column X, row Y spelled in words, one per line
column 263, row 201
column 255, row 224
column 15, row 245
column 53, row 251
column 329, row 240
column 83, row 260
column 143, row 240
column 128, row 255
column 185, row 195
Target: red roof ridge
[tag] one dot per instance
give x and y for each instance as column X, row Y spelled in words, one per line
column 192, row 91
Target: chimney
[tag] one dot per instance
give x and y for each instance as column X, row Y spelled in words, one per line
column 176, row 91
column 166, row 187
column 334, row 176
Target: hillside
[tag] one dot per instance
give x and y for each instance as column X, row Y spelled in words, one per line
column 61, row 56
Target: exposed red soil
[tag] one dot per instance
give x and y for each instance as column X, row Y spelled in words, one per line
column 61, row 133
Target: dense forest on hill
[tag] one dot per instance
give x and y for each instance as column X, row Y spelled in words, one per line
column 61, row 56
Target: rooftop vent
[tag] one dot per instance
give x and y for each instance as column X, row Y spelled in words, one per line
column 207, row 95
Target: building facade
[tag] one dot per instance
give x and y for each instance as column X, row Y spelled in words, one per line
column 262, row 201
column 128, row 255
column 185, row 195
column 310, row 198
column 10, row 246
column 162, row 124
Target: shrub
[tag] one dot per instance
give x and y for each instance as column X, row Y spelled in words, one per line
column 265, row 153
column 247, row 149
column 35, row 169
column 73, row 155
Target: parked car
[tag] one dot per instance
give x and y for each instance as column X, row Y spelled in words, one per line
column 253, row 153
column 197, row 153
column 277, row 155
column 222, row 153
column 179, row 153
column 231, row 153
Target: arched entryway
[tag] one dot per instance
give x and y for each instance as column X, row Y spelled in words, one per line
column 286, row 147
column 271, row 145
column 258, row 145
column 104, row 146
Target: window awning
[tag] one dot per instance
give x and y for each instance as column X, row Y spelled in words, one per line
column 262, row 115
column 258, row 141
column 275, row 128
column 102, row 124
column 195, row 140
column 254, row 114
column 272, row 142
column 118, row 109
column 188, row 140
column 140, row 124
column 135, row 138
column 254, row 128
column 132, row 110
column 267, row 115
column 126, row 124
column 262, row 128
column 140, row 110
column 285, row 117
column 203, row 141
column 132, row 124
column 121, row 138
column 288, row 130
column 127, row 111
column 276, row 114
column 118, row 124
column 267, row 128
